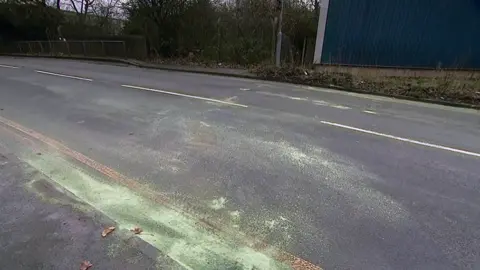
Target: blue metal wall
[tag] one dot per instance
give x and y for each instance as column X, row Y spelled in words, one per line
column 406, row 33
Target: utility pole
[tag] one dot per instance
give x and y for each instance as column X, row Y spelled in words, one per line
column 279, row 35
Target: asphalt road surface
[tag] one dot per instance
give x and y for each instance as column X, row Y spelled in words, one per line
column 281, row 174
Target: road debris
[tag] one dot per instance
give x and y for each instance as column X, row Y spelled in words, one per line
column 107, row 231
column 85, row 265
column 137, row 230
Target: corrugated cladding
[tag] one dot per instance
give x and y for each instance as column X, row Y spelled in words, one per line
column 404, row 33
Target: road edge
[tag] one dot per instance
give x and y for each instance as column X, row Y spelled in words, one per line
column 142, row 64
column 127, row 237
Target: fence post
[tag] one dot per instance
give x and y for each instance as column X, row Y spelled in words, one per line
column 303, row 51
column 29, row 47
column 103, row 48
column 50, row 47
column 41, row 46
column 68, row 47
column 19, row 47
column 124, row 50
column 84, row 49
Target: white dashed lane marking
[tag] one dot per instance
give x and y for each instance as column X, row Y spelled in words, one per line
column 464, row 152
column 63, row 75
column 7, row 66
column 341, row 107
column 184, row 95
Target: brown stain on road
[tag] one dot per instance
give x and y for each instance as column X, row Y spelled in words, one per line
column 295, row 262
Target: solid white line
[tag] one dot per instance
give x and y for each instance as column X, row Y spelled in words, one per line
column 184, row 95
column 403, row 139
column 7, row 66
column 62, row 75
column 370, row 112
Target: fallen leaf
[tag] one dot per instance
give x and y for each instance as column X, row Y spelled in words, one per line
column 137, row 230
column 107, row 231
column 85, row 265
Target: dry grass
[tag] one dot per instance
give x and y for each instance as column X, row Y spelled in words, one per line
column 447, row 87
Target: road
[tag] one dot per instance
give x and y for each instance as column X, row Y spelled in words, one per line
column 335, row 179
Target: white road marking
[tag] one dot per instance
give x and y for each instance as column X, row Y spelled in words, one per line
column 403, row 139
column 370, row 112
column 281, row 95
column 298, row 98
column 321, row 103
column 341, row 107
column 327, row 104
column 204, row 124
column 316, row 102
column 184, row 95
column 260, row 85
column 7, row 66
column 62, row 75
column 390, row 99
column 245, row 89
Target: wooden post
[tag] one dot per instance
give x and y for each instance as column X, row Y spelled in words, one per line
column 124, row 49
column 68, row 47
column 303, row 51
column 41, row 46
column 103, row 48
column 84, row 48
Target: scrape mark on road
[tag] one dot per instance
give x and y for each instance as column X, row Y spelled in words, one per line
column 218, row 203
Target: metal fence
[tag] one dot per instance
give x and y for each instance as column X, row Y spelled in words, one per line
column 403, row 33
column 92, row 48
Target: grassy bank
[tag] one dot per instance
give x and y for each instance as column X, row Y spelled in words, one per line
column 446, row 86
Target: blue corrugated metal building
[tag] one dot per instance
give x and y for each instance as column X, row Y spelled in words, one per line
column 403, row 33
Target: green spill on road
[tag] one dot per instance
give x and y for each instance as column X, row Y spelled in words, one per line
column 172, row 233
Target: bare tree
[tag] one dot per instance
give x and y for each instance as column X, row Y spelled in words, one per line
column 81, row 7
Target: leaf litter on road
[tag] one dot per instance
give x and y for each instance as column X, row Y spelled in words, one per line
column 107, row 231
column 137, row 230
column 85, row 265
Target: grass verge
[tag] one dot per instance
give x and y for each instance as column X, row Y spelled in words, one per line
column 446, row 87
